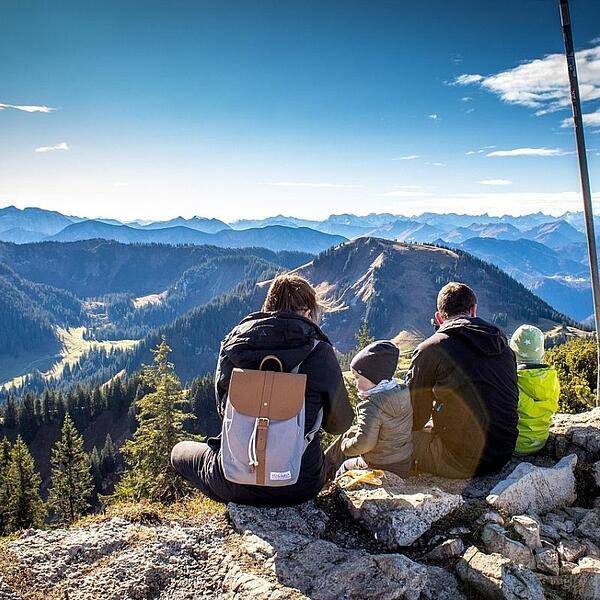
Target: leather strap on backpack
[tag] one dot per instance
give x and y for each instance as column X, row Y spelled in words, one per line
column 261, row 450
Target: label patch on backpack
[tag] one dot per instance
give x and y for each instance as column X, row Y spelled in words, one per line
column 280, row 475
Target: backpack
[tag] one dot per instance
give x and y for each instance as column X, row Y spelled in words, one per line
column 263, row 438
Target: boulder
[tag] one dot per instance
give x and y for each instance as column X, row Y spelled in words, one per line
column 240, row 585
column 589, row 526
column 571, row 550
column 585, row 580
column 547, row 561
column 495, row 577
column 489, row 517
column 596, row 473
column 398, row 512
column 496, row 541
column 441, row 585
column 529, row 530
column 576, row 513
column 305, row 519
column 288, row 543
column 536, row 489
column 323, row 570
column 449, row 549
column 576, row 434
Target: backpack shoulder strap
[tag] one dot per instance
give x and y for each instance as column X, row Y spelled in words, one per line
column 315, row 343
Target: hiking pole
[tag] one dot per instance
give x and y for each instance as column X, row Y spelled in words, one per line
column 583, row 173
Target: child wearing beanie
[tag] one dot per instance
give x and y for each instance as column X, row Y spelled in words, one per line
column 381, row 438
column 538, row 389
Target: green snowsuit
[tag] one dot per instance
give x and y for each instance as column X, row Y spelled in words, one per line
column 538, row 401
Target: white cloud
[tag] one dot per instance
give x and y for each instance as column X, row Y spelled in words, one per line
column 311, row 185
column 589, row 119
column 528, row 152
column 405, row 194
column 61, row 146
column 495, row 182
column 466, row 98
column 467, row 79
column 436, row 164
column 542, row 83
column 408, row 157
column 433, row 116
column 470, row 152
column 27, row 108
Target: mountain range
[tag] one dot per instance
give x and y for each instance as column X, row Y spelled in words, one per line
column 557, row 271
column 390, row 286
column 194, row 294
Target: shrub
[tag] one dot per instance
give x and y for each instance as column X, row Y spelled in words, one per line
column 576, row 364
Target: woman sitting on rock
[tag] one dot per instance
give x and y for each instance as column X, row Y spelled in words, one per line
column 286, row 334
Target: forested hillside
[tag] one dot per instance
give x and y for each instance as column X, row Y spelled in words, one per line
column 96, row 267
column 29, row 311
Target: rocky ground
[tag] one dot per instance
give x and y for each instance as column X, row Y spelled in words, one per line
column 531, row 532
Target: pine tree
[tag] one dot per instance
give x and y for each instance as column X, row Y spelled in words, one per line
column 363, row 336
column 160, row 426
column 24, row 507
column 4, row 462
column 108, row 456
column 72, row 483
column 95, row 469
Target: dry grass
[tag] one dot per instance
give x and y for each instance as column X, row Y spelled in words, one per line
column 194, row 509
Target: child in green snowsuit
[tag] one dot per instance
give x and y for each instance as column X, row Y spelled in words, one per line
column 538, row 389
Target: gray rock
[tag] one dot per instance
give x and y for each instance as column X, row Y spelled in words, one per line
column 448, row 549
column 441, row 585
column 490, row 517
column 576, row 434
column 576, row 513
column 496, row 541
column 571, row 550
column 529, row 488
column 116, row 559
column 596, row 473
column 585, row 579
column 529, row 530
column 589, row 527
column 549, row 532
column 398, row 512
column 324, row 571
column 547, row 561
column 566, row 568
column 569, row 526
column 591, row 549
column 494, row 576
column 240, row 585
column 305, row 519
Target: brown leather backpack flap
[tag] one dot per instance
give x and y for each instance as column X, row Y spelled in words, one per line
column 267, row 394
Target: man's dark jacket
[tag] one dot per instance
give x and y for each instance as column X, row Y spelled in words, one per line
column 469, row 372
column 290, row 337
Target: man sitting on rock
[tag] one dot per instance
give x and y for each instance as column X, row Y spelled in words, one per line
column 465, row 378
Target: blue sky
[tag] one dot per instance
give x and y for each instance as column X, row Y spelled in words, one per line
column 253, row 108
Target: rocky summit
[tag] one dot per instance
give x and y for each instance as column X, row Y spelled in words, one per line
column 529, row 533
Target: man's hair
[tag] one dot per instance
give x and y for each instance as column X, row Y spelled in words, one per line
column 295, row 294
column 455, row 299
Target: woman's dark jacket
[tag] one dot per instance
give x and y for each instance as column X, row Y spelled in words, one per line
column 290, row 337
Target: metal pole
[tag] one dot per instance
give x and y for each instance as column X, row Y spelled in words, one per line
column 583, row 171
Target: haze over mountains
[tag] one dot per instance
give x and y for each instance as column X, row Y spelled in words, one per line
column 547, row 254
